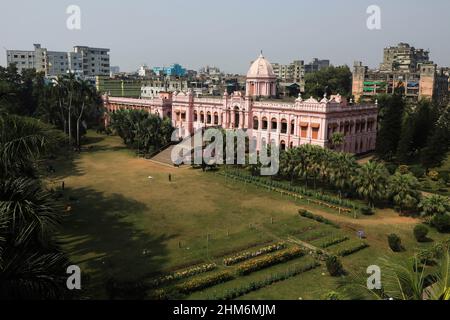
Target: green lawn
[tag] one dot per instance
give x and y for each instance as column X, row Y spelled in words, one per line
column 129, row 227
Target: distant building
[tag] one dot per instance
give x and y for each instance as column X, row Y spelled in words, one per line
column 114, row 70
column 153, row 88
column 403, row 58
column 404, row 68
column 145, row 71
column 128, row 88
column 293, row 73
column 316, row 65
column 173, row 70
column 266, row 120
column 83, row 61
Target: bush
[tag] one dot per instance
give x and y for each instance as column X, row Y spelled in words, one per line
column 320, row 219
column 417, row 171
column 205, row 282
column 395, row 243
column 348, row 251
column 367, row 211
column 420, row 233
column 334, row 266
column 264, row 262
column 441, row 222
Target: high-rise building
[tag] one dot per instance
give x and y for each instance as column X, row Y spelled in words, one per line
column 291, row 73
column 83, row 61
column 403, row 58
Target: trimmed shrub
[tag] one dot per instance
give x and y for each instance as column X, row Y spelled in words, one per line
column 351, row 250
column 264, row 262
column 420, row 232
column 367, row 211
column 334, row 266
column 249, row 255
column 253, row 286
column 441, row 222
column 205, row 282
column 320, row 219
column 395, row 243
column 181, row 274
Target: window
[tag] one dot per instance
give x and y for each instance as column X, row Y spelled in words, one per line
column 255, row 123
column 304, row 130
column 315, row 133
column 195, row 114
column 293, row 127
column 264, row 123
column 284, row 126
column 274, row 124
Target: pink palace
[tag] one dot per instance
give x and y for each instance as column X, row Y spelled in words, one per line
column 288, row 124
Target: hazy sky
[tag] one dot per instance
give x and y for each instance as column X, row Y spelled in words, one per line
column 228, row 34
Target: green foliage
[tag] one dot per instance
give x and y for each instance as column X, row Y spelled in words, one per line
column 141, row 130
column 352, row 249
column 420, row 232
column 331, row 80
column 371, row 182
column 253, row 254
column 441, row 222
column 257, row 285
column 390, row 124
column 334, row 266
column 395, row 243
column 367, row 211
column 404, row 190
column 438, row 143
column 318, row 218
column 204, row 282
column 267, row 261
column 434, row 204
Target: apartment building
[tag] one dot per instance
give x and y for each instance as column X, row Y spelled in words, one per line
column 83, row 61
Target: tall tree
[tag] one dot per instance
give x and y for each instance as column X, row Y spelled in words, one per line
column 371, row 182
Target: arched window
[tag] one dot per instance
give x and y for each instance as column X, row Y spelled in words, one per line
column 208, row 117
column 216, row 118
column 284, row 126
column 195, row 116
column 264, row 123
column 255, row 123
column 292, row 127
column 283, row 145
column 202, row 117
column 274, row 124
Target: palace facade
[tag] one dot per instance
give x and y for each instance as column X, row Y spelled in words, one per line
column 288, row 124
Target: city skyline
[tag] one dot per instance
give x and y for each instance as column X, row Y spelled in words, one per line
column 155, row 33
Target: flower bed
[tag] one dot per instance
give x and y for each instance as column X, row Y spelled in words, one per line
column 253, row 254
column 309, row 215
column 317, row 198
column 182, row 274
column 264, row 262
column 253, row 286
column 333, row 241
column 350, row 250
column 236, row 250
column 203, row 283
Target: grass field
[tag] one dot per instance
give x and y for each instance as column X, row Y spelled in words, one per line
column 126, row 225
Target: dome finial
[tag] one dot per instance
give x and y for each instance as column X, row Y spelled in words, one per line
column 261, row 55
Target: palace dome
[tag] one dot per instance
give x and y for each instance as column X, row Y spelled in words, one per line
column 261, row 68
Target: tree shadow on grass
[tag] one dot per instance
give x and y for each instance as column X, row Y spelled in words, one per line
column 101, row 235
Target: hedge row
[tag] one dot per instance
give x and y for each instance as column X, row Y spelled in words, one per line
column 253, row 254
column 312, row 216
column 181, row 274
column 350, row 250
column 205, row 282
column 332, row 202
column 333, row 241
column 267, row 261
column 256, row 285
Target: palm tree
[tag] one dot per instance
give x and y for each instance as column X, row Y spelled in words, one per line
column 31, row 265
column 342, row 170
column 289, row 162
column 434, row 204
column 408, row 279
column 371, row 182
column 337, row 140
column 404, row 190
